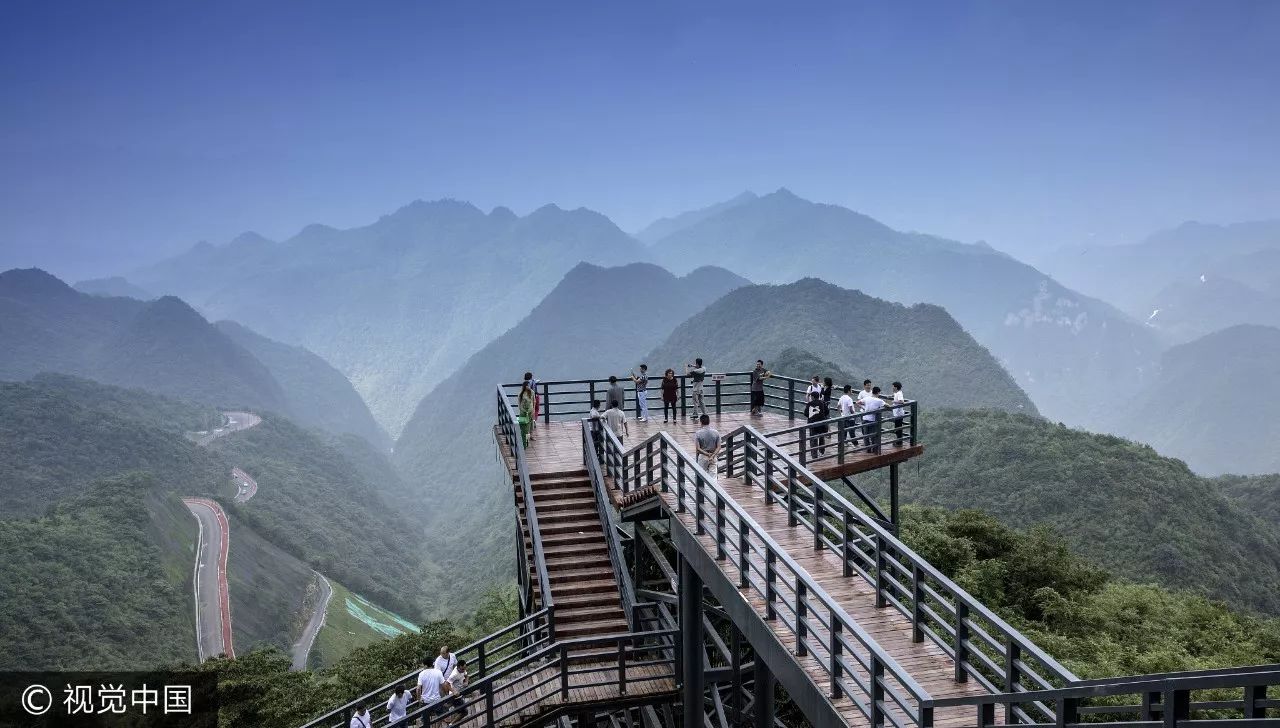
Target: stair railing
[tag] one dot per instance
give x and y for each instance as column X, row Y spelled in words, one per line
column 981, row 644
column 590, row 430
column 856, row 666
column 510, row 429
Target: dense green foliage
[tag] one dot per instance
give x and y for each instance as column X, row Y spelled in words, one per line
column 1215, row 403
column 597, row 322
column 314, row 504
column 85, row 586
column 1095, row 625
column 1258, row 494
column 920, row 345
column 317, row 394
column 1116, row 502
column 1054, row 341
column 399, row 304
column 58, row 434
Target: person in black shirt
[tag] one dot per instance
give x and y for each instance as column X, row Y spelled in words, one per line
column 817, row 412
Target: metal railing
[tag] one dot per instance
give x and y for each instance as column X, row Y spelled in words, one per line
column 508, row 646
column 1202, row 698
column 982, row 645
column 722, row 392
column 510, row 432
column 855, row 666
column 840, row 439
column 591, row 429
column 550, row 679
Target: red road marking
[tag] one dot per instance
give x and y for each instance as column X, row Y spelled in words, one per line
column 224, row 592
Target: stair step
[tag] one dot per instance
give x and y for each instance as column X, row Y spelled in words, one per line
column 568, row 514
column 588, row 613
column 554, row 506
column 566, row 599
column 583, row 581
column 585, row 524
column 579, row 473
column 555, row 494
column 570, row 538
column 584, row 629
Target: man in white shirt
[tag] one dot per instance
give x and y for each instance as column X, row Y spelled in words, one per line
column 864, row 392
column 847, row 407
column 457, row 683
column 398, row 705
column 430, row 684
column 870, row 426
column 899, row 434
column 706, row 441
column 362, row 718
column 446, row 661
column 616, row 421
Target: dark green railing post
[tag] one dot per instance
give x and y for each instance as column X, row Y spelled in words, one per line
column 962, row 636
column 488, row 702
column 728, row 456
column 1252, row 694
column 817, row 519
column 1068, row 713
column 622, row 666
column 717, row 397
column 913, row 423
column 791, row 402
column 770, row 584
column 721, row 553
column 834, row 652
column 791, row 496
column 917, row 603
column 744, row 556
column 680, row 508
column 1177, row 707
column 846, row 541
column 802, row 627
column 564, row 672
column 877, row 692
column 546, row 403
column 768, row 476
column 1012, row 654
column 881, row 602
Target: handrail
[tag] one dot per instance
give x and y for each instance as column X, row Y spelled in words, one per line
column 873, row 697
column 878, row 556
column 552, row 666
column 1166, row 698
column 510, row 430
column 605, row 510
column 571, row 398
column 492, row 651
column 811, row 439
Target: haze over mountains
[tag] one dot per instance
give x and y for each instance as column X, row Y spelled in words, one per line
column 396, row 305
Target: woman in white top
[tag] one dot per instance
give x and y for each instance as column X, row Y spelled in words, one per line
column 361, row 719
column 898, row 434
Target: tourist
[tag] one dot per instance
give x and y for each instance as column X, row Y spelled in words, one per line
column 616, row 393
column 398, row 705
column 706, row 443
column 446, row 661
column 670, row 393
column 616, row 421
column 596, row 416
column 361, row 718
column 817, row 414
column 696, row 373
column 430, row 683
column 870, row 425
column 537, row 399
column 827, row 390
column 758, row 375
column 457, row 683
column 642, row 392
column 847, row 406
column 526, row 403
column 815, row 387
column 898, row 413
column 866, row 392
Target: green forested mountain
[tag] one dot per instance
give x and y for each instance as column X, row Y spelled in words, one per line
column 317, row 394
column 113, row 286
column 314, row 504
column 597, row 322
column 162, row 346
column 1054, row 341
column 920, row 345
column 57, row 435
column 1116, row 502
column 662, row 227
column 396, row 305
column 1258, row 494
column 1215, row 403
column 86, row 587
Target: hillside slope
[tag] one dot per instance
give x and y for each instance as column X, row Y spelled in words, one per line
column 597, row 321
column 1054, row 341
column 1215, row 403
column 396, row 305
column 317, row 394
column 920, row 345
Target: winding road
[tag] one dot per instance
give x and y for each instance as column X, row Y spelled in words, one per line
column 302, row 648
column 209, row 576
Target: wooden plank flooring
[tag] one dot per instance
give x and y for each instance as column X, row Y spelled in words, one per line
column 539, row 692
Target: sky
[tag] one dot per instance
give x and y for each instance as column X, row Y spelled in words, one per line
column 131, row 130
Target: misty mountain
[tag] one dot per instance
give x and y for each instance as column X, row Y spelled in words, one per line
column 114, row 286
column 921, row 345
column 1054, row 341
column 664, row 226
column 1187, row 309
column 396, row 305
column 1215, row 403
column 317, row 394
column 596, row 322
column 161, row 346
column 1130, row 276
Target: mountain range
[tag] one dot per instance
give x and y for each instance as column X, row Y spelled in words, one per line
column 1054, row 341
column 399, row 304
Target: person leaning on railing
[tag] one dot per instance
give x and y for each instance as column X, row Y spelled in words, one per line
column 526, row 417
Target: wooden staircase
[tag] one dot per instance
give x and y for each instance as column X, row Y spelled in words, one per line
column 583, row 585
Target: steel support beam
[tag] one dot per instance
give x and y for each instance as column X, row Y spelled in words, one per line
column 763, row 688
column 690, row 594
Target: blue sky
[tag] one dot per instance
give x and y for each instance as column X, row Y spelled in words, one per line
column 131, row 130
